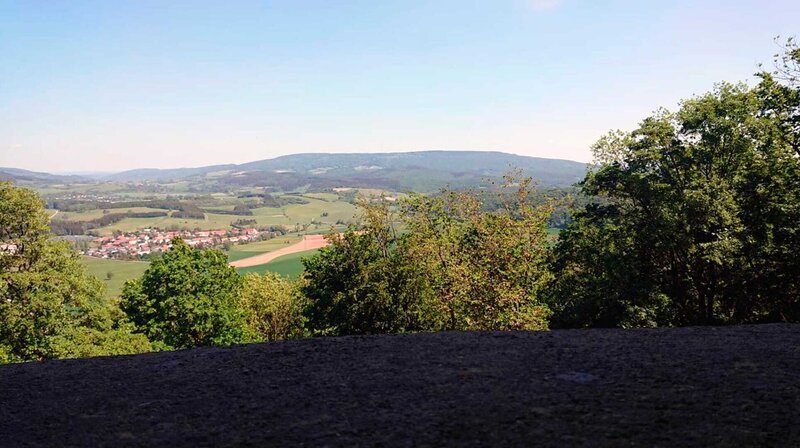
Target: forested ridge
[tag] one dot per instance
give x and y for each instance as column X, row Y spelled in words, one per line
column 693, row 218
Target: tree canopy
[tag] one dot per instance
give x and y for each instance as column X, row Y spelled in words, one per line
column 702, row 218
column 187, row 298
column 49, row 306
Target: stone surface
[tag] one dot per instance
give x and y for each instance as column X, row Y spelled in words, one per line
column 711, row 386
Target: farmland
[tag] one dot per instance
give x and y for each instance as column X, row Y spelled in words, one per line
column 288, row 265
column 249, row 250
column 90, row 208
column 317, row 212
column 121, row 271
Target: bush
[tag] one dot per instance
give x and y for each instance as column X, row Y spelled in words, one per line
column 273, row 307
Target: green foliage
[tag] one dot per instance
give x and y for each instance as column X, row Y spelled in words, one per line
column 46, row 296
column 455, row 267
column 273, row 307
column 487, row 269
column 290, row 265
column 187, row 298
column 103, row 331
column 357, row 285
column 702, row 219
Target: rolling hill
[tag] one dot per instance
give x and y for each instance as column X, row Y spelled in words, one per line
column 420, row 171
column 20, row 175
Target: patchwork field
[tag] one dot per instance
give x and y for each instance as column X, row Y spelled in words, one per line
column 309, row 242
column 98, row 213
column 250, row 250
column 288, row 265
column 121, row 271
column 323, row 210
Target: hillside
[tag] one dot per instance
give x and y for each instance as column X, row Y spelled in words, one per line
column 419, row 171
column 24, row 176
column 726, row 386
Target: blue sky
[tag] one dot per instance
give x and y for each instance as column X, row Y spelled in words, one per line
column 112, row 85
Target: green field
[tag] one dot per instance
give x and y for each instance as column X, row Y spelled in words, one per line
column 121, row 270
column 249, row 250
column 287, row 265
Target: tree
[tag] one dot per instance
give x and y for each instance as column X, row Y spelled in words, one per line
column 701, row 218
column 103, row 330
column 46, row 294
column 361, row 285
column 187, row 298
column 454, row 267
column 486, row 268
column 273, row 307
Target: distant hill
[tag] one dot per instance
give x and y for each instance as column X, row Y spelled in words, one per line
column 155, row 174
column 19, row 175
column 418, row 171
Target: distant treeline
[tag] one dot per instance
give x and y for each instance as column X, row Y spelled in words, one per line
column 82, row 205
column 183, row 209
column 268, row 200
column 64, row 227
column 239, row 209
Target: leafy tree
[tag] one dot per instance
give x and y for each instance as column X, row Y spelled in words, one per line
column 702, row 218
column 46, row 295
column 454, row 267
column 273, row 307
column 360, row 285
column 487, row 269
column 187, row 298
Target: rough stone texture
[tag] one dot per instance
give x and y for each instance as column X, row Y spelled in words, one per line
column 735, row 386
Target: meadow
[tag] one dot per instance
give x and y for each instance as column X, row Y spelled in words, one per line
column 121, row 271
column 290, row 265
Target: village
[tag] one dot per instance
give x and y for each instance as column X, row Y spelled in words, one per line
column 144, row 242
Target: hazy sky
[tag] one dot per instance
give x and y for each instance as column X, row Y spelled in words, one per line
column 112, row 85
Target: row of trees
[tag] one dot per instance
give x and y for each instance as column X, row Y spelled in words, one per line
column 693, row 218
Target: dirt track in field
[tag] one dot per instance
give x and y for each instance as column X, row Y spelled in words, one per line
column 734, row 386
column 309, row 242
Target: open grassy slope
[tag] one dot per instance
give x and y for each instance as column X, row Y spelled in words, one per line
column 241, row 251
column 290, row 265
column 121, row 270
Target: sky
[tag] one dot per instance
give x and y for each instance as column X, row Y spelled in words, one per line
column 115, row 85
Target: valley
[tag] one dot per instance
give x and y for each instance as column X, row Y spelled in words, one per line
column 259, row 213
